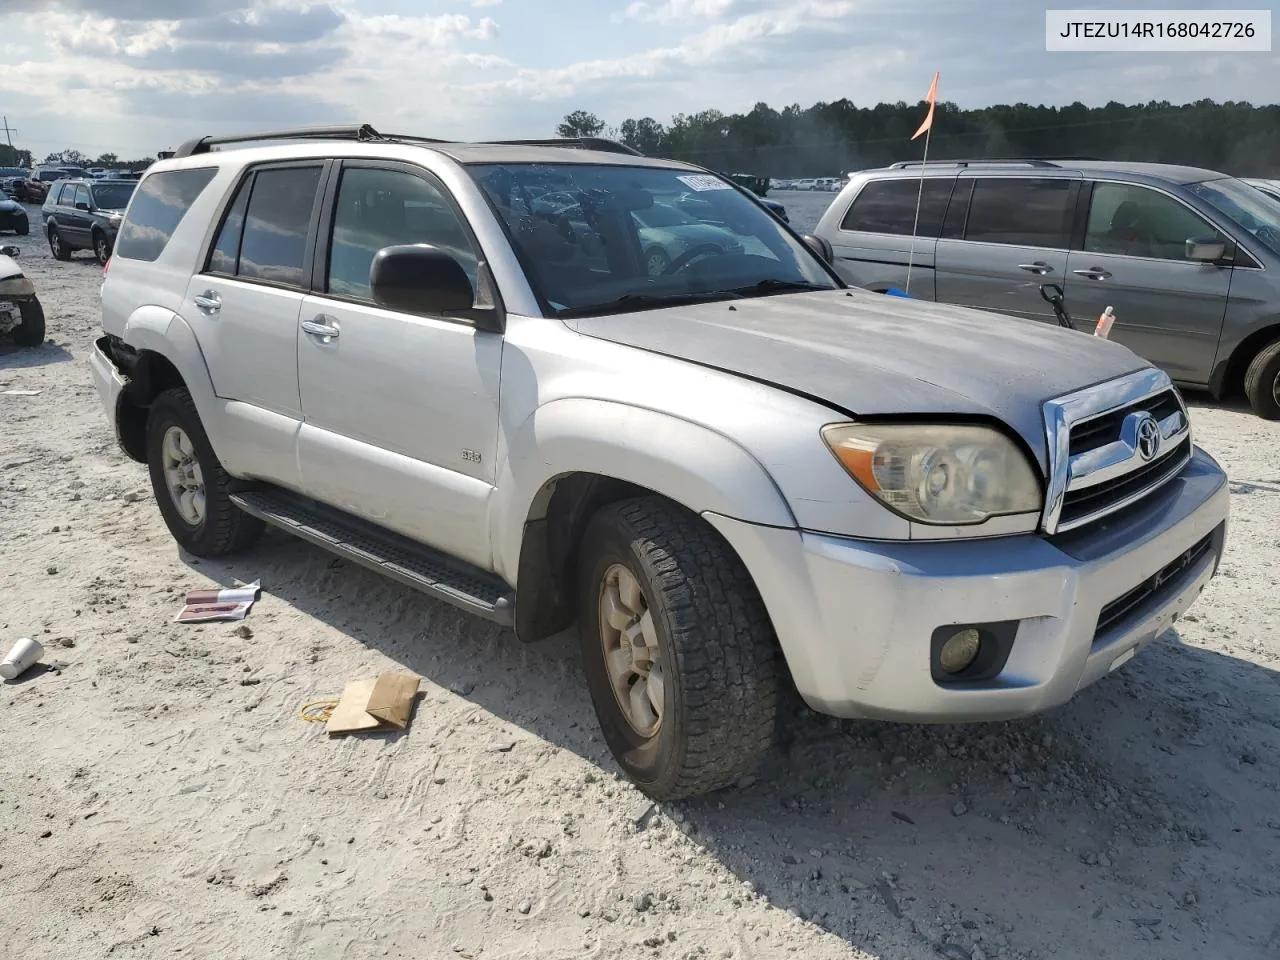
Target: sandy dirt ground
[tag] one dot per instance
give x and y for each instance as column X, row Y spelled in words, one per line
column 161, row 797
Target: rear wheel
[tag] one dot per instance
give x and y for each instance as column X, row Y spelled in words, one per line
column 57, row 246
column 1262, row 382
column 23, row 229
column 30, row 332
column 679, row 654
column 101, row 247
column 191, row 487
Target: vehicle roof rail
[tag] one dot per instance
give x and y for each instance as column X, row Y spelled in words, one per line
column 579, row 143
column 1028, row 162
column 361, row 131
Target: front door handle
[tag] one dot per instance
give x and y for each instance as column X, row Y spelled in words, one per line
column 320, row 327
column 210, row 301
column 1039, row 268
column 1093, row 273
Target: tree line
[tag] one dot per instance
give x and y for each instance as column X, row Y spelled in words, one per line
column 831, row 139
column 15, row 157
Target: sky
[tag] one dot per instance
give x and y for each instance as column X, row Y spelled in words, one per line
column 136, row 76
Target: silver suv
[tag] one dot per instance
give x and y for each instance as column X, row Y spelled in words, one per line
column 454, row 363
column 1187, row 257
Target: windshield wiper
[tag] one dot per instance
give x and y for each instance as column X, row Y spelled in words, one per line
column 774, row 284
column 643, row 301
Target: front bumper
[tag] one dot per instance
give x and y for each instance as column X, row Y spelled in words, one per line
column 14, row 221
column 855, row 618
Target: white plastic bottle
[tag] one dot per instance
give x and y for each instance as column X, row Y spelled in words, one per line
column 1103, row 329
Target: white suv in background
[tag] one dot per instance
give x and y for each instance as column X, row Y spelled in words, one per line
column 736, row 474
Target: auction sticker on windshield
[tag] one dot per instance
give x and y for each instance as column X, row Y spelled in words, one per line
column 700, row 182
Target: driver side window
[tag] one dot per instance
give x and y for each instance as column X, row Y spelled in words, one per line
column 1136, row 221
column 383, row 208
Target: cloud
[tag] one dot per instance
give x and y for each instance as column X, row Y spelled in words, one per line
column 149, row 71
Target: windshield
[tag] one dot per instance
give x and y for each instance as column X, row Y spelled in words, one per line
column 7, row 172
column 1250, row 209
column 603, row 238
column 112, row 196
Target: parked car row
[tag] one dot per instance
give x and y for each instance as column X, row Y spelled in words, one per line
column 32, row 186
column 1188, row 258
column 829, row 184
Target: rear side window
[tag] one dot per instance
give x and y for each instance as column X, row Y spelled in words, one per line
column 276, row 222
column 1022, row 211
column 159, row 204
column 889, row 206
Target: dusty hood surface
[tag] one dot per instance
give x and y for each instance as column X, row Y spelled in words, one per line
column 872, row 354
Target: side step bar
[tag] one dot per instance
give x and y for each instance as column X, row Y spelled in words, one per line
column 423, row 568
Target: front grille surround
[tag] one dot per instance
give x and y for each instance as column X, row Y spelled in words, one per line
column 1097, row 458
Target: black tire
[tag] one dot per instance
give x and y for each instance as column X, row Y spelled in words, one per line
column 30, row 332
column 721, row 663
column 57, row 246
column 225, row 529
column 101, row 247
column 1262, row 382
column 23, row 230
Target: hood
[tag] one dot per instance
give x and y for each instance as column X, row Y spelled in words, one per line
column 873, row 355
column 10, row 206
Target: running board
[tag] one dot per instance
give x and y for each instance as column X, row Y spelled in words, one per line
column 434, row 573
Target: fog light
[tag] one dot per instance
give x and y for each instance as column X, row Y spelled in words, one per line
column 960, row 650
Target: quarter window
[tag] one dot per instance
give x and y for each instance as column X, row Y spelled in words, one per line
column 889, row 206
column 162, row 200
column 1135, row 221
column 383, row 208
column 1022, row 211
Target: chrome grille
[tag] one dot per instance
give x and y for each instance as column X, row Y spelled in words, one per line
column 1111, row 445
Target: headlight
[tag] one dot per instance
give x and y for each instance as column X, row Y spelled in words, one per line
column 938, row 474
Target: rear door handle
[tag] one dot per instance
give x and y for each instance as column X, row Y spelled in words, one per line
column 210, row 301
column 1040, row 268
column 321, row 327
column 1093, row 273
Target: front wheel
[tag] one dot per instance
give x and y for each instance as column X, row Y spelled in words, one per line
column 24, row 229
column 101, row 247
column 679, row 653
column 30, row 332
column 1262, row 382
column 191, row 487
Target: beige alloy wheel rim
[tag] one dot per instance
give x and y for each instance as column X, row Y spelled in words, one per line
column 632, row 655
column 182, row 475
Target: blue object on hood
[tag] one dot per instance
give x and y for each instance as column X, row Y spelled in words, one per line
column 895, row 292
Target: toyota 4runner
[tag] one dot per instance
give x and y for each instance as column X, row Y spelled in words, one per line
column 736, row 474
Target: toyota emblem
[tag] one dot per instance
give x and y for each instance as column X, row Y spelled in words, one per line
column 1148, row 437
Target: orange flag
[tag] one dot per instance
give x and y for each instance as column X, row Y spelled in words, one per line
column 933, row 96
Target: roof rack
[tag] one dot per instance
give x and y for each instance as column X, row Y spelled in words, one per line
column 365, row 132
column 348, row 132
column 580, row 143
column 1039, row 162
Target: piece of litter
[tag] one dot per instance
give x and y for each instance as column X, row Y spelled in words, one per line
column 21, row 393
column 384, row 703
column 205, row 606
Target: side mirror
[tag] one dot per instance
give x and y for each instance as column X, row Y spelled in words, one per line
column 819, row 246
column 1206, row 250
column 420, row 279
column 82, row 205
column 9, row 251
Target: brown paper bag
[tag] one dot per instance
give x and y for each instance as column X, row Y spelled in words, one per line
column 384, row 703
